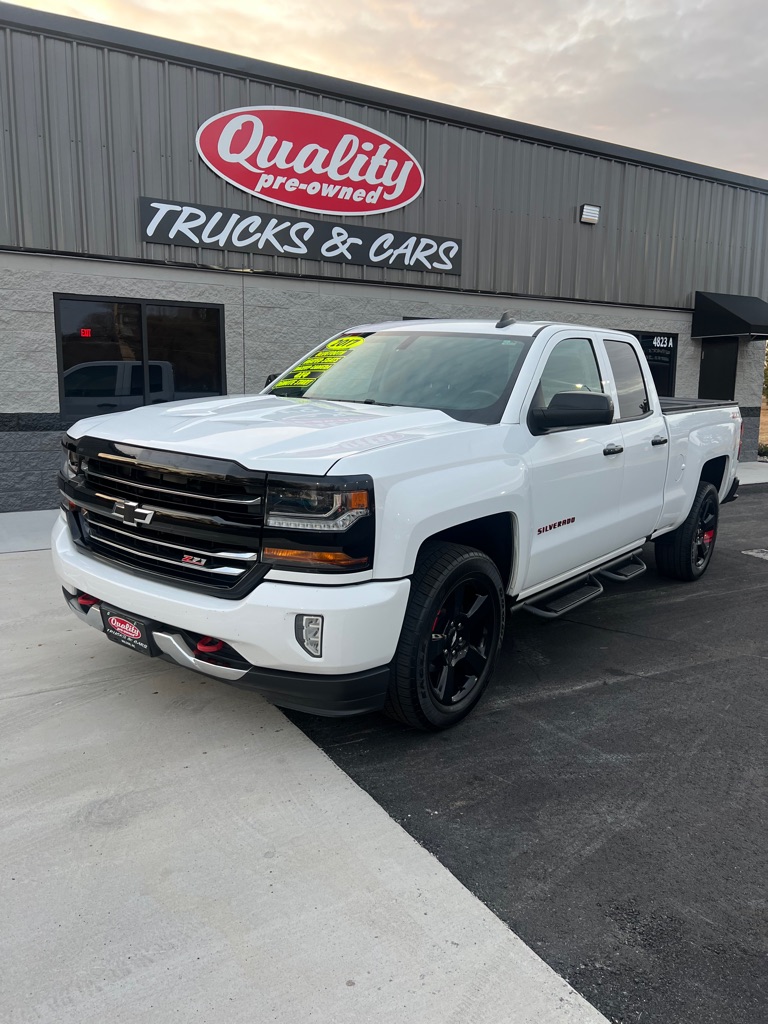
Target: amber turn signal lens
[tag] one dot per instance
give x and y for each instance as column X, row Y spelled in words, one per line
column 298, row 556
column 357, row 499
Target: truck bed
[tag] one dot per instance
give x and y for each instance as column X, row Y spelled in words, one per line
column 671, row 406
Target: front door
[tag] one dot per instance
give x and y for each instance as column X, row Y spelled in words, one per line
column 575, row 479
column 717, row 375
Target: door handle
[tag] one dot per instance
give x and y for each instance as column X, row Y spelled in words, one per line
column 659, row 440
column 613, row 449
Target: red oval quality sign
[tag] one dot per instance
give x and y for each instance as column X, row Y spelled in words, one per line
column 310, row 161
column 124, row 627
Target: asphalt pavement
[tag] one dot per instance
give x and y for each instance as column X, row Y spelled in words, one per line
column 607, row 799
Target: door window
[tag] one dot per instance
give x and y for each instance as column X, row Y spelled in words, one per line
column 92, row 380
column 571, row 366
column 628, row 379
column 155, row 379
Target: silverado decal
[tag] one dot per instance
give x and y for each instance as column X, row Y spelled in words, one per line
column 554, row 526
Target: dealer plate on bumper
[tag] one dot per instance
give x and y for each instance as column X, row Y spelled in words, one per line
column 129, row 631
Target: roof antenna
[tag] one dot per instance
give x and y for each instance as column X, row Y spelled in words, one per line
column 506, row 319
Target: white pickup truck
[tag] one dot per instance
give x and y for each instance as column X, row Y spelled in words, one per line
column 350, row 539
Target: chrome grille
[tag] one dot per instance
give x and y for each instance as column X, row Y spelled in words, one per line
column 187, row 519
column 175, row 488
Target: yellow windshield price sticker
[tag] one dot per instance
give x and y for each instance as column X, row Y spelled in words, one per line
column 313, row 366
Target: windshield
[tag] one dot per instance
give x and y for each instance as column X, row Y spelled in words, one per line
column 467, row 376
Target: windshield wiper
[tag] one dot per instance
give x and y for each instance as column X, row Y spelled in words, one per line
column 356, row 401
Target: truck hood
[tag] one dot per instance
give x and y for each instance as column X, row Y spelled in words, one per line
column 289, row 435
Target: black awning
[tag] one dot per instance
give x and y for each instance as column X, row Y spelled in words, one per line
column 716, row 315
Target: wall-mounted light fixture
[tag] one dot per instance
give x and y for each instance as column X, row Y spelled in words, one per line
column 589, row 214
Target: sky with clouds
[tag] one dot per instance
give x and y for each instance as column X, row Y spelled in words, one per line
column 687, row 78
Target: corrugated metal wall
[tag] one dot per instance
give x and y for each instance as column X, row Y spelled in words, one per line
column 87, row 129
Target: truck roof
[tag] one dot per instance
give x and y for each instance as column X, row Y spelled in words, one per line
column 527, row 328
column 518, row 328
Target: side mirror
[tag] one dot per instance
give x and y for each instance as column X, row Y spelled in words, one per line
column 270, row 378
column 572, row 409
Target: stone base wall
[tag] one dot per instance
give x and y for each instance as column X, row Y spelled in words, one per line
column 751, row 435
column 30, row 454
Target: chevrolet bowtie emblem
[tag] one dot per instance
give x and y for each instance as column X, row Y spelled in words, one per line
column 131, row 514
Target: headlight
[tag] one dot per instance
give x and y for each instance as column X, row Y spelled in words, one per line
column 71, row 462
column 316, row 508
column 324, row 524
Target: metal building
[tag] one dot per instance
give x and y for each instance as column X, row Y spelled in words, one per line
column 150, row 248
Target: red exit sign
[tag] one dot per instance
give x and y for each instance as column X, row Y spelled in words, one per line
column 85, row 332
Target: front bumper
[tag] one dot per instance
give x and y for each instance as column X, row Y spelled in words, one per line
column 362, row 624
column 332, row 695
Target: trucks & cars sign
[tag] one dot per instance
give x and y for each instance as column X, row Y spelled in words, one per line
column 213, row 227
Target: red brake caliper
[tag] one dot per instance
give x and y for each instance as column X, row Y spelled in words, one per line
column 709, row 536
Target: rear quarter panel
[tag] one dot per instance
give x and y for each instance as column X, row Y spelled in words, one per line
column 694, row 438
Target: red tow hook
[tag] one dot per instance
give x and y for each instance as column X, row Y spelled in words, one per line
column 209, row 645
column 86, row 601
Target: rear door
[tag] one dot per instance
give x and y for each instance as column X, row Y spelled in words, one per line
column 576, row 473
column 644, row 436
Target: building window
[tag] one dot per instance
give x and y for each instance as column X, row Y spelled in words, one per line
column 117, row 354
column 661, row 352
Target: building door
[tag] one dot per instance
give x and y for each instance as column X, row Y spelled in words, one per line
column 717, row 375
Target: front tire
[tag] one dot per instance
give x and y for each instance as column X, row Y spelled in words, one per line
column 685, row 553
column 451, row 636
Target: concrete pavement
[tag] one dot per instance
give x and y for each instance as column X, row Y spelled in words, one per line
column 26, row 531
column 173, row 849
column 753, row 473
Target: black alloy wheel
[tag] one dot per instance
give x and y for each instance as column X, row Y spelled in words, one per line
column 451, row 635
column 704, row 535
column 685, row 553
column 463, row 634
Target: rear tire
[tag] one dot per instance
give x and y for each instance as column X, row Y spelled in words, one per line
column 451, row 636
column 685, row 553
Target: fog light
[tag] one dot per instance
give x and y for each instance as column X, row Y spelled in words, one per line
column 309, row 633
